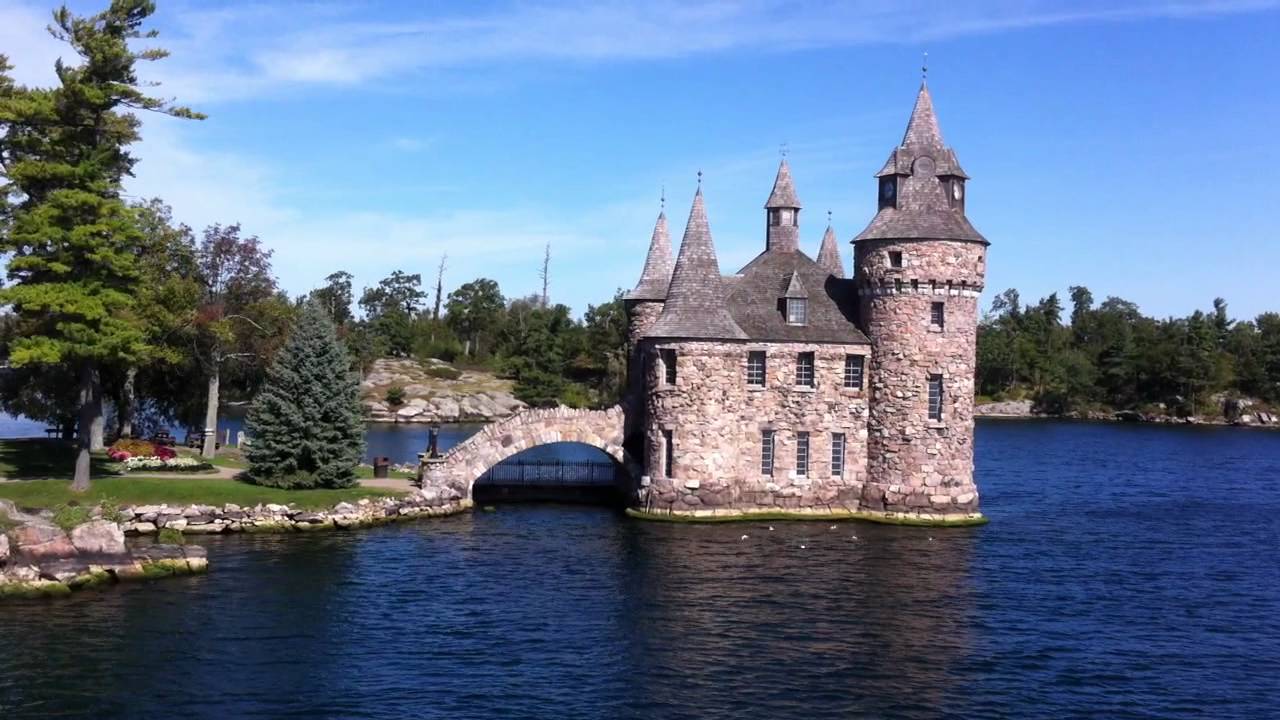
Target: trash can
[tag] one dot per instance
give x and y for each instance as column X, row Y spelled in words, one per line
column 381, row 467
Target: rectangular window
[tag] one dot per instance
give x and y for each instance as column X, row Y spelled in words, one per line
column 668, row 454
column 797, row 311
column 802, row 454
column 853, row 365
column 935, row 397
column 755, row 368
column 897, row 285
column 804, row 369
column 668, row 366
column 895, row 258
column 938, row 315
column 766, row 452
column 837, row 454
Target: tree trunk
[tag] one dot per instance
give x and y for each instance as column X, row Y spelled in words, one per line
column 84, row 442
column 211, row 415
column 98, row 427
column 125, row 406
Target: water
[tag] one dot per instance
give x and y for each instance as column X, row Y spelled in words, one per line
column 1128, row 572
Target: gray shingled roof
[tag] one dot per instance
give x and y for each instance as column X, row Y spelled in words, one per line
column 658, row 265
column 829, row 254
column 923, row 210
column 757, row 308
column 784, row 190
column 795, row 288
column 695, row 306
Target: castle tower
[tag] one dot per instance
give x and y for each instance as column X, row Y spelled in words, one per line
column 829, row 253
column 920, row 267
column 644, row 303
column 782, row 213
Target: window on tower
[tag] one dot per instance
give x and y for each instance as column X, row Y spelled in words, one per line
column 938, row 315
column 935, row 397
column 802, row 454
column 766, row 452
column 888, row 192
column 668, row 357
column 895, row 258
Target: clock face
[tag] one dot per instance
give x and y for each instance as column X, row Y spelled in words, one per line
column 957, row 190
column 887, row 189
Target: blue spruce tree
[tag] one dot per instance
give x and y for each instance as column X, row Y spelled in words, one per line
column 307, row 424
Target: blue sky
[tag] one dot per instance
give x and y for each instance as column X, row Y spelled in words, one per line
column 1128, row 145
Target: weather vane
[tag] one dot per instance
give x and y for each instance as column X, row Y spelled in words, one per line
column 662, row 201
column 828, row 217
column 782, row 150
column 699, row 178
column 924, row 68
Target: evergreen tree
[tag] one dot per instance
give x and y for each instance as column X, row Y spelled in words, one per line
column 71, row 239
column 307, row 424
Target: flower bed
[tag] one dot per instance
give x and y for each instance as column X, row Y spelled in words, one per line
column 176, row 464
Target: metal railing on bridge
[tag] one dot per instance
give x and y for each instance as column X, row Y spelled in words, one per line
column 552, row 473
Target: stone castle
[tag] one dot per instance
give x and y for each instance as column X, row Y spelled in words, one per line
column 787, row 386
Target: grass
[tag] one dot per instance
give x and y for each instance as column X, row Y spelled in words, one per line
column 234, row 459
column 30, row 459
column 177, row 491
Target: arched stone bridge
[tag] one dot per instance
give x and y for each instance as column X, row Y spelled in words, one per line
column 456, row 471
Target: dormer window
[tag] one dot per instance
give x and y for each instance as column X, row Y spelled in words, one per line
column 955, row 193
column 888, row 192
column 797, row 311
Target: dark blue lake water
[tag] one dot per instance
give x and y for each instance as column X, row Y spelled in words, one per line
column 1127, row 572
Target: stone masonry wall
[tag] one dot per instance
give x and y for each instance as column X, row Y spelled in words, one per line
column 716, row 420
column 641, row 315
column 916, row 464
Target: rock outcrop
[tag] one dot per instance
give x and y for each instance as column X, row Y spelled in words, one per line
column 435, row 392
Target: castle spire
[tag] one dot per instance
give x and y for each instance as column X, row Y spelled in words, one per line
column 829, row 254
column 695, row 299
column 922, row 128
column 784, row 190
column 782, row 213
column 658, row 264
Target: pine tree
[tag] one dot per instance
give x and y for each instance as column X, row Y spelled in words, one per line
column 72, row 241
column 307, row 424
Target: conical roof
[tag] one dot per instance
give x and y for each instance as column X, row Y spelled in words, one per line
column 784, row 190
column 922, row 128
column 829, row 254
column 695, row 306
column 658, row 265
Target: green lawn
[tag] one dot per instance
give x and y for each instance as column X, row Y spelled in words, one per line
column 41, row 471
column 32, row 459
column 176, row 491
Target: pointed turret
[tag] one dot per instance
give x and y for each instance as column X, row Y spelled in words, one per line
column 829, row 254
column 922, row 128
column 658, row 265
column 695, row 305
column 782, row 213
column 784, row 190
column 921, row 186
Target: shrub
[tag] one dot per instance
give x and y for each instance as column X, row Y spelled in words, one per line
column 395, row 395
column 170, row 536
column 444, row 372
column 111, row 511
column 70, row 516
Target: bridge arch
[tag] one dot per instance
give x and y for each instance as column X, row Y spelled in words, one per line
column 464, row 463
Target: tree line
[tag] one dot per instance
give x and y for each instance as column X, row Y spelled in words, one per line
column 1111, row 356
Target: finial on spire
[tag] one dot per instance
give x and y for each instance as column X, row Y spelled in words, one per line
column 699, row 178
column 662, row 201
column 924, row 68
column 828, row 217
column 782, row 150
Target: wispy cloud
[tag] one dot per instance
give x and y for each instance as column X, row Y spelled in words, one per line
column 247, row 51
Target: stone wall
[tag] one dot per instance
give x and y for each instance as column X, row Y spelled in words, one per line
column 716, row 418
column 641, row 315
column 917, row 464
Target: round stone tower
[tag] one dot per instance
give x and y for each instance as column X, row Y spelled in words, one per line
column 920, row 267
column 644, row 303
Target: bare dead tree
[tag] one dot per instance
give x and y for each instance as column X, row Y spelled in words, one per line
column 545, row 275
column 435, row 314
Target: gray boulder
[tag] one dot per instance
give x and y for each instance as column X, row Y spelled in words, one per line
column 99, row 537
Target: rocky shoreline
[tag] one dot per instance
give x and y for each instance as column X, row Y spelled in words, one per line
column 40, row 559
column 406, row 391
column 1024, row 409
